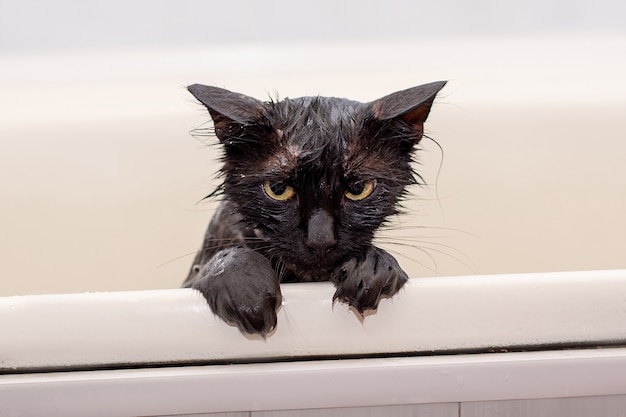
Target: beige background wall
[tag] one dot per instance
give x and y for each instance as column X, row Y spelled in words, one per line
column 101, row 182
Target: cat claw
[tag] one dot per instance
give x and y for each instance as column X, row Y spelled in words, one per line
column 341, row 295
column 362, row 283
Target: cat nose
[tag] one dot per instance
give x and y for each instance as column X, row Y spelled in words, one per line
column 321, row 231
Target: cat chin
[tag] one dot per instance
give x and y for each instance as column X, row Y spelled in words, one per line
column 307, row 276
column 312, row 270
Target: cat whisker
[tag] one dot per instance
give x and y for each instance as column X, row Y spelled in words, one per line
column 205, row 129
column 393, row 240
column 281, row 269
column 391, row 227
column 223, row 244
column 244, row 239
column 412, row 239
column 178, row 258
column 434, row 269
column 205, row 136
column 423, row 247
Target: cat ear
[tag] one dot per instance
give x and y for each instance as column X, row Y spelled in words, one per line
column 411, row 106
column 230, row 111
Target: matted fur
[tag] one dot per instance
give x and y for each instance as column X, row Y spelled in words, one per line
column 322, row 151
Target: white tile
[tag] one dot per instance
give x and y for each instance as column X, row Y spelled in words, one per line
column 235, row 414
column 421, row 410
column 600, row 406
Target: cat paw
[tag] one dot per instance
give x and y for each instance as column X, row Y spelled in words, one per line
column 362, row 283
column 242, row 289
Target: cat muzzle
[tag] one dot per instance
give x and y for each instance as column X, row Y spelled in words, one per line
column 321, row 231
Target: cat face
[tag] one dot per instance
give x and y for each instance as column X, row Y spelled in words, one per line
column 315, row 177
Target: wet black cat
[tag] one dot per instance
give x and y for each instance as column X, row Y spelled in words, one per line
column 307, row 182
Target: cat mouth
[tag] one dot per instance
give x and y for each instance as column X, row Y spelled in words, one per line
column 315, row 267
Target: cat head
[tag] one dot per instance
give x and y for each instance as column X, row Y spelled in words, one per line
column 315, row 177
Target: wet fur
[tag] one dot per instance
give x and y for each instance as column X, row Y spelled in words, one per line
column 320, row 146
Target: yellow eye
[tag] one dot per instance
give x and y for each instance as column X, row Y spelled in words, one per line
column 278, row 190
column 360, row 190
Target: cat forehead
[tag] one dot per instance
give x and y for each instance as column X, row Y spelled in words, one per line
column 310, row 128
column 326, row 111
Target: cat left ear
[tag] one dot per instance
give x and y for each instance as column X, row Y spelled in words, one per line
column 411, row 106
column 228, row 108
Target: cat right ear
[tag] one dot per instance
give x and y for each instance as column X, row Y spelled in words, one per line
column 411, row 106
column 231, row 112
